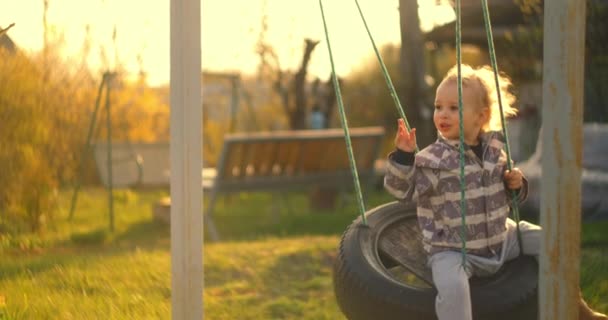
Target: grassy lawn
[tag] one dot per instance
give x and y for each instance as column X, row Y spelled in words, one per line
column 275, row 262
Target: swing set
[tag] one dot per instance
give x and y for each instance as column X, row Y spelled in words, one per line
column 381, row 270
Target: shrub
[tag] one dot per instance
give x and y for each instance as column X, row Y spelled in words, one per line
column 39, row 113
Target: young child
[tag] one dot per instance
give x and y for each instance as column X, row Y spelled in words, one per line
column 432, row 176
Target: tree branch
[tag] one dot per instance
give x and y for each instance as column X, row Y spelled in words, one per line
column 3, row 31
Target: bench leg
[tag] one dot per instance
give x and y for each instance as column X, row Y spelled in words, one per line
column 208, row 218
column 285, row 198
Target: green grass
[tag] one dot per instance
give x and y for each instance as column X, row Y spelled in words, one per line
column 273, row 264
column 260, row 280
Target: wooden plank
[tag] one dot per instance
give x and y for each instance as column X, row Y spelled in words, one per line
column 304, row 134
column 364, row 149
column 263, row 157
column 309, row 157
column 186, row 161
column 287, row 158
column 307, row 154
column 246, row 169
column 375, row 145
column 232, row 162
column 563, row 91
column 402, row 242
column 341, row 180
column 336, row 160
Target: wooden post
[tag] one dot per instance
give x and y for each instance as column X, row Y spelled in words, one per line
column 564, row 51
column 108, row 77
column 186, row 161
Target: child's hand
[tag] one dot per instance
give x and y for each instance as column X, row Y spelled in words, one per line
column 513, row 179
column 405, row 141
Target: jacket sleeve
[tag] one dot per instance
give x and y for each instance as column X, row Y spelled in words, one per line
column 399, row 176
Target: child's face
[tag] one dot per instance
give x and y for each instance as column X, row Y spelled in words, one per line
column 446, row 116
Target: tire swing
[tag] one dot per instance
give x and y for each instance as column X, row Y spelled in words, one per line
column 380, row 271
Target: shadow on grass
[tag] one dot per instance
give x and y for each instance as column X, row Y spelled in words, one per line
column 145, row 234
column 300, row 268
column 296, row 279
column 253, row 216
column 33, row 266
column 90, row 245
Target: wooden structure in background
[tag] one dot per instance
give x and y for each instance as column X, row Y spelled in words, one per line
column 287, row 160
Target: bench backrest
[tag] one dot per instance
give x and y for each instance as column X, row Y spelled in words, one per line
column 280, row 159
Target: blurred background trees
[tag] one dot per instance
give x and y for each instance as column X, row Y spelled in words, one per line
column 45, row 109
column 46, row 101
column 40, row 112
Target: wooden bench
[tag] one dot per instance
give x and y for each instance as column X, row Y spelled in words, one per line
column 282, row 160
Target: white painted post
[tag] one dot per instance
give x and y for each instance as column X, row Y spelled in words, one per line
column 564, row 51
column 186, row 161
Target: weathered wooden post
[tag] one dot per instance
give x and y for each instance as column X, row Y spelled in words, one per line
column 564, row 51
column 186, row 161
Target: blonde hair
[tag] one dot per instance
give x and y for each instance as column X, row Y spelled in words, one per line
column 483, row 78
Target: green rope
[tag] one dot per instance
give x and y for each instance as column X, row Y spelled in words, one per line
column 349, row 147
column 488, row 26
column 402, row 113
column 463, row 204
column 387, row 78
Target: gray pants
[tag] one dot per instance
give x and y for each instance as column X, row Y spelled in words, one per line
column 453, row 301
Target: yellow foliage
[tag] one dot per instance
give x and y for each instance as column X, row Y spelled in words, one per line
column 138, row 113
column 44, row 106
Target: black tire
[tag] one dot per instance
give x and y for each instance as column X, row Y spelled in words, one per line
column 365, row 289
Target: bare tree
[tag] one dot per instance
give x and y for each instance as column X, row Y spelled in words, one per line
column 324, row 98
column 297, row 114
column 293, row 89
column 5, row 30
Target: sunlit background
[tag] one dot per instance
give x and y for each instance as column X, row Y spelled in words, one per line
column 135, row 33
column 79, row 75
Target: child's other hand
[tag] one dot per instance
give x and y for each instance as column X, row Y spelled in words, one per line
column 405, row 141
column 513, row 179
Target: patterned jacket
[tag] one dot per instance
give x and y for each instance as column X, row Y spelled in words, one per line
column 434, row 182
